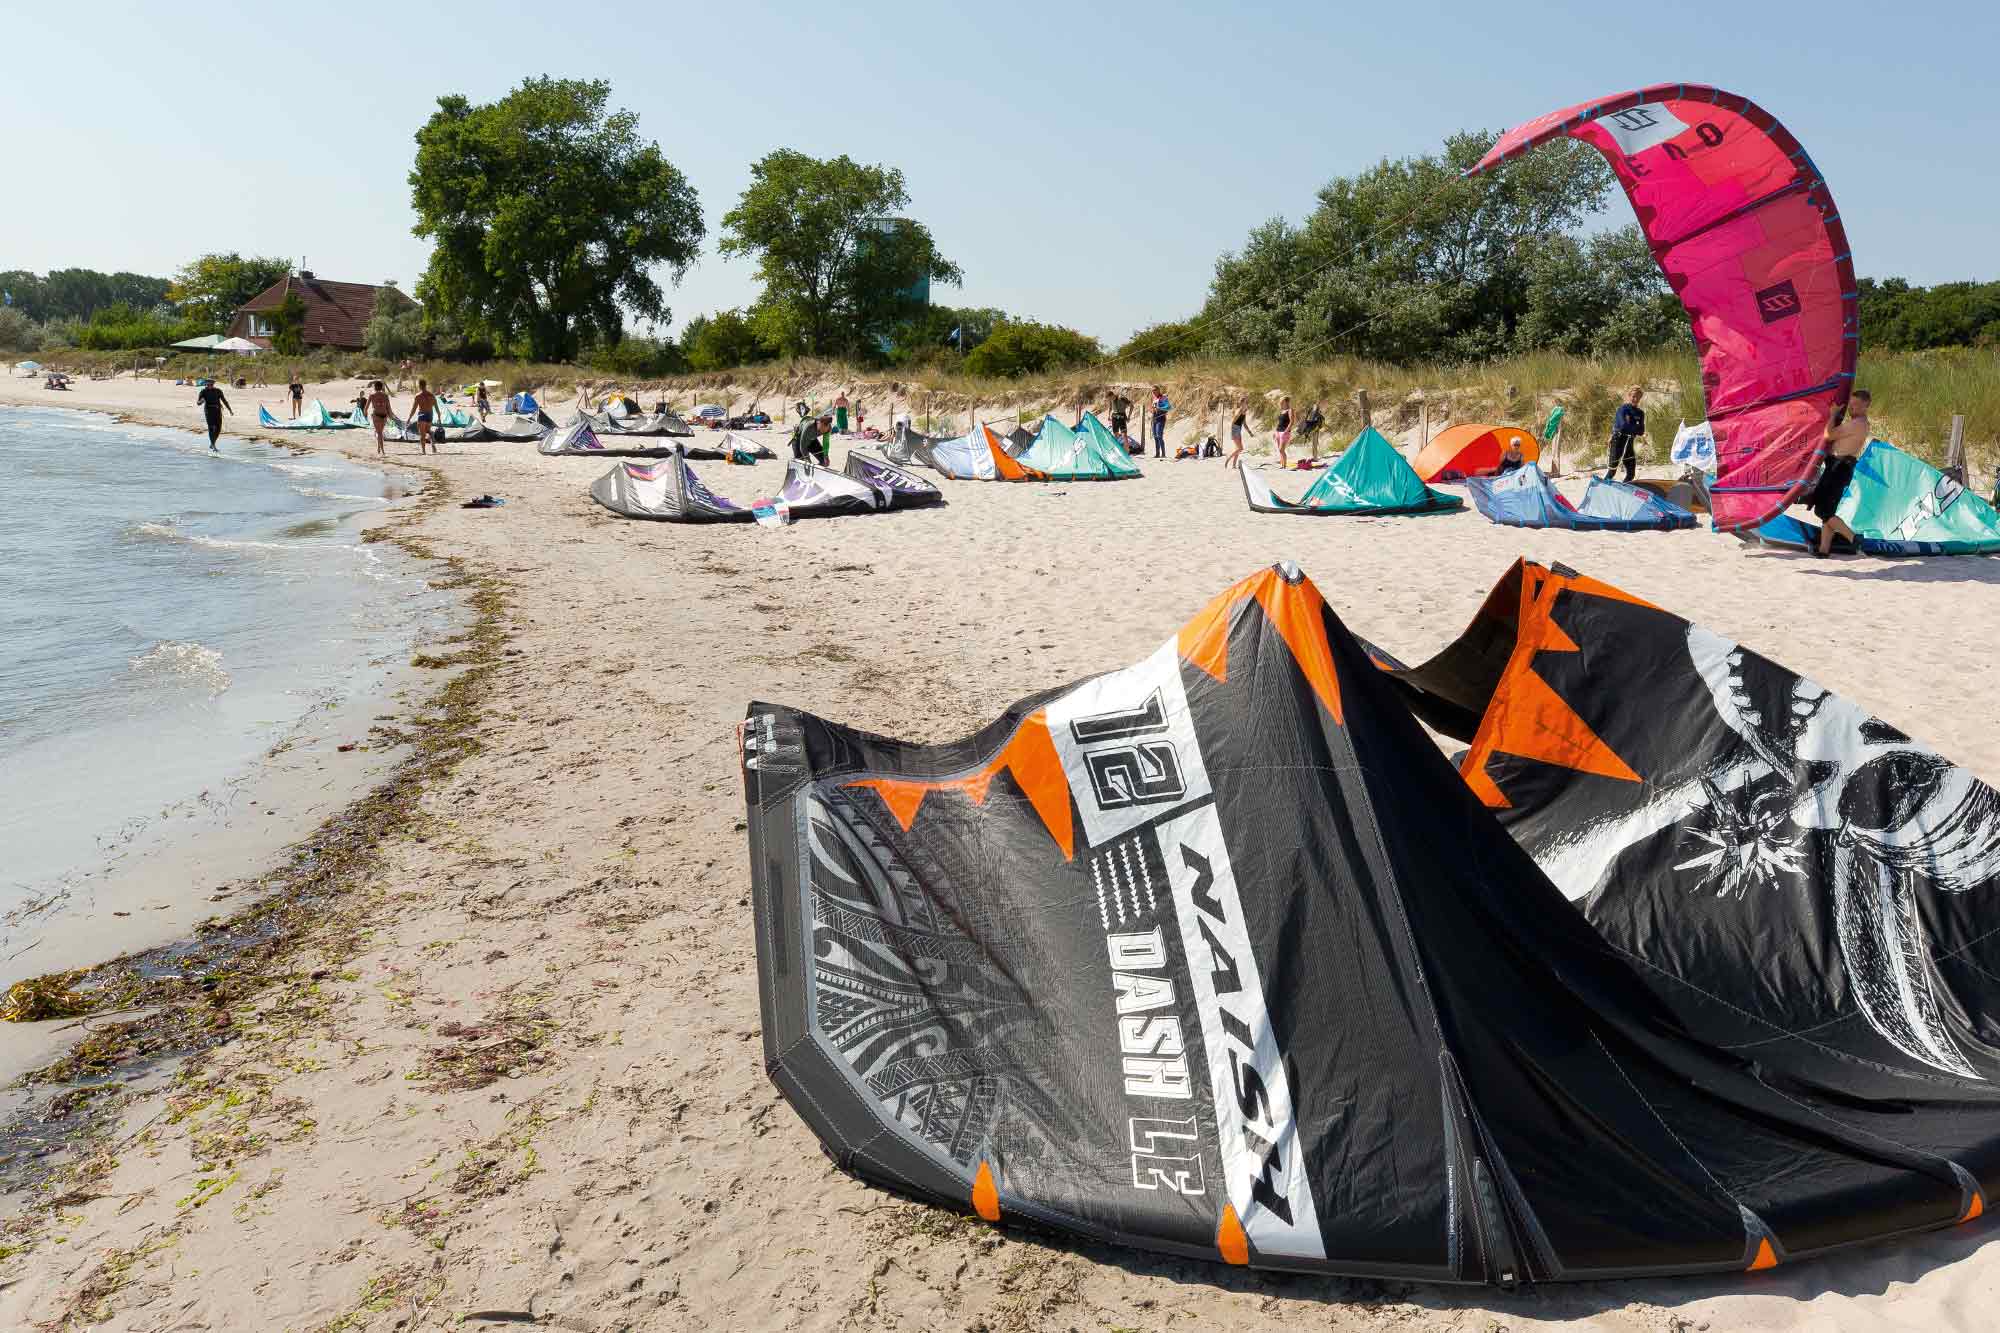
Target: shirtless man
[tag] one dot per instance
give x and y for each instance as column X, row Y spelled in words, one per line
column 1844, row 442
column 378, row 412
column 421, row 409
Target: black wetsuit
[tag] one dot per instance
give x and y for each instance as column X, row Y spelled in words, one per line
column 1626, row 427
column 212, row 402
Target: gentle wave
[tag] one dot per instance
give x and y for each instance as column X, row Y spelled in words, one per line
column 301, row 469
column 191, row 661
column 321, row 493
column 166, row 532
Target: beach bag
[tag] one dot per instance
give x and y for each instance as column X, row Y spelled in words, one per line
column 1210, row 449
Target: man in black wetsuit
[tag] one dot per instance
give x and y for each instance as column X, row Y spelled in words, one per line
column 213, row 405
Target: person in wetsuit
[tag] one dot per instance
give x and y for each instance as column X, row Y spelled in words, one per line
column 213, row 405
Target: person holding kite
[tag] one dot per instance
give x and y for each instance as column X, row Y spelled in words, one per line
column 1846, row 437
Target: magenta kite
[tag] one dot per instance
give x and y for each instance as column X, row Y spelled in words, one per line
column 1745, row 229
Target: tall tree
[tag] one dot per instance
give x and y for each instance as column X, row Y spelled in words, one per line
column 210, row 289
column 548, row 215
column 838, row 263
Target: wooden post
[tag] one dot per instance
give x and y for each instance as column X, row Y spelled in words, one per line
column 1424, row 421
column 1954, row 454
column 1367, row 417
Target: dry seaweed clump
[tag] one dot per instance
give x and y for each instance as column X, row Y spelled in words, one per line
column 53, row 995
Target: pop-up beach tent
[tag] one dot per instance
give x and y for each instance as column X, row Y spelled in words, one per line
column 1090, row 454
column 667, row 490
column 1369, row 477
column 1524, row 498
column 1218, row 956
column 1897, row 505
column 1465, row 451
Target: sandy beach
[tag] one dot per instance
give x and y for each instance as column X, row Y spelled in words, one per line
column 518, row 1075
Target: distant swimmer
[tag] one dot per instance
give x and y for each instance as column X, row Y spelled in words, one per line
column 421, row 409
column 213, row 405
column 1845, row 440
column 378, row 412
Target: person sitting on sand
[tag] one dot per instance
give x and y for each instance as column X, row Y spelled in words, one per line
column 421, row 408
column 1845, row 441
column 378, row 412
column 213, row 405
column 1511, row 458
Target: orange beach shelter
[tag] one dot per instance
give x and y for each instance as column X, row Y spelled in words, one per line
column 1465, row 451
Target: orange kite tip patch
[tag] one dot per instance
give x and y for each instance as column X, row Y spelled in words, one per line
column 1229, row 1237
column 985, row 1198
column 1975, row 1208
column 1766, row 1256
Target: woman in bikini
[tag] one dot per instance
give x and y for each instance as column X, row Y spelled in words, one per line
column 1283, row 435
column 378, row 412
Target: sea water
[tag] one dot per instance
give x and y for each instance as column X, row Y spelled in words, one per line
column 167, row 615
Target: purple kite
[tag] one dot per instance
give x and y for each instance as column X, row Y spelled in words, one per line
column 1745, row 229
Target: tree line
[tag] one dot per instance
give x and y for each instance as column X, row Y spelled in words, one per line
column 552, row 222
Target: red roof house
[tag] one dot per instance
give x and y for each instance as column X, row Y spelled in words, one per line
column 337, row 313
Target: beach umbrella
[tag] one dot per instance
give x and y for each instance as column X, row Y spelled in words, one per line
column 28, row 365
column 237, row 345
column 206, row 343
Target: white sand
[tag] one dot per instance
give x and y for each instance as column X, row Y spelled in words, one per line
column 585, row 875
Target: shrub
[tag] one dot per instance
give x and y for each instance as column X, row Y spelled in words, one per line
column 1028, row 348
column 18, row 333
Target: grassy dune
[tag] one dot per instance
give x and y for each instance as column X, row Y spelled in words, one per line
column 1916, row 393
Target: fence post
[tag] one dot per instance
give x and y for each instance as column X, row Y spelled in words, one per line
column 1954, row 454
column 1424, row 421
column 1367, row 417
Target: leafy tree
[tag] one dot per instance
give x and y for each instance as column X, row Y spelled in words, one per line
column 548, row 215
column 1896, row 316
column 722, row 341
column 395, row 327
column 288, row 323
column 1027, row 348
column 1160, row 343
column 1408, row 260
column 928, row 335
column 18, row 333
column 210, row 290
column 833, row 254
column 638, row 357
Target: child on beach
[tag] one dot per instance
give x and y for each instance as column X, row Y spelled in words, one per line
column 480, row 403
column 1160, row 409
column 1236, row 429
column 1283, row 435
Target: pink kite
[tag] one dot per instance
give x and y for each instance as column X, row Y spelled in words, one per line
column 1744, row 227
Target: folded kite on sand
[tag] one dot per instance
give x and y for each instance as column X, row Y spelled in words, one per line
column 1217, row 955
column 667, row 490
column 313, row 416
column 1524, row 498
column 1369, row 477
column 900, row 488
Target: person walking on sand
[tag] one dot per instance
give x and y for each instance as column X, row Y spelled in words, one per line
column 1627, row 425
column 1845, row 441
column 1309, row 428
column 1283, row 435
column 213, row 405
column 840, row 412
column 421, row 408
column 378, row 413
column 1160, row 409
column 1236, row 429
column 298, row 392
column 1121, row 415
column 480, row 403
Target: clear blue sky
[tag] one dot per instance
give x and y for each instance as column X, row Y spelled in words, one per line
column 1084, row 163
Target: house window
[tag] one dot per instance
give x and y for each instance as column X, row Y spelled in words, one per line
column 260, row 327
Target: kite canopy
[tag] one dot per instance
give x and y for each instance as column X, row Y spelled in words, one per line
column 1369, row 477
column 313, row 416
column 667, row 490
column 1465, row 451
column 579, row 439
column 1897, row 505
column 1216, row 955
column 1524, row 498
column 660, row 423
column 1090, row 454
column 975, row 456
column 812, row 491
column 899, row 488
column 1798, row 880
column 1745, row 229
